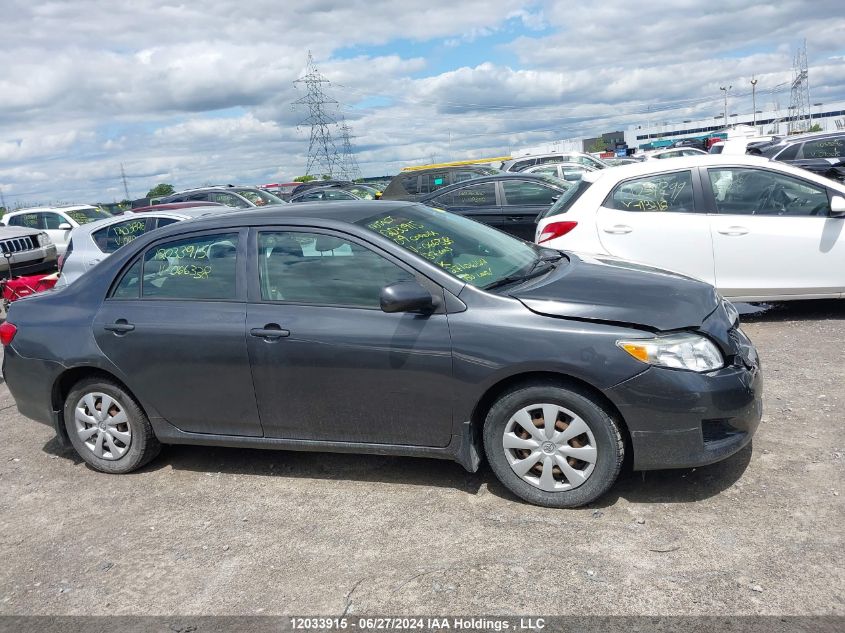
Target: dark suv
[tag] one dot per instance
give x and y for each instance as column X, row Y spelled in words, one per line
column 230, row 195
column 822, row 153
column 415, row 184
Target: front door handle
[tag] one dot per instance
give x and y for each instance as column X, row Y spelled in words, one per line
column 121, row 326
column 618, row 229
column 733, row 230
column 515, row 218
column 270, row 332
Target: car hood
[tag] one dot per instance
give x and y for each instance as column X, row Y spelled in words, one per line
column 613, row 290
column 9, row 232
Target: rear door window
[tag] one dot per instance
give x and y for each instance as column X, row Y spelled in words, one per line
column 480, row 195
column 110, row 238
column 670, row 192
column 29, row 220
column 203, row 267
column 825, row 148
column 526, row 193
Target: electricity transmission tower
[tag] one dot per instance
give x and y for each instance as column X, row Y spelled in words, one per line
column 799, row 102
column 322, row 154
column 125, row 186
column 348, row 164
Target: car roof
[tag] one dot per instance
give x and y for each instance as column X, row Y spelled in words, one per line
column 807, row 136
column 645, row 168
column 349, row 211
column 169, row 206
column 180, row 214
column 548, row 154
column 450, row 168
column 67, row 207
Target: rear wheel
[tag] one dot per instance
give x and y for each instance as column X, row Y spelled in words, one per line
column 553, row 446
column 108, row 428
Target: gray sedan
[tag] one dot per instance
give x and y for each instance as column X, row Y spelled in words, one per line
column 387, row 328
column 91, row 243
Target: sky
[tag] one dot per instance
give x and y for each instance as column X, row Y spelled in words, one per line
column 203, row 92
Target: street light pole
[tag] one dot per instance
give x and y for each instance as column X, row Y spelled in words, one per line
column 725, row 90
column 754, row 101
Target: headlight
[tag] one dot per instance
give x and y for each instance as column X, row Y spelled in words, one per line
column 679, row 351
column 44, row 239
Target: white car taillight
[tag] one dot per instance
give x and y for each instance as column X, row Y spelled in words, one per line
column 555, row 229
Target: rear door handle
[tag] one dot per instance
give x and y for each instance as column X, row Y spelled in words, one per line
column 733, row 230
column 515, row 218
column 270, row 332
column 619, row 229
column 121, row 326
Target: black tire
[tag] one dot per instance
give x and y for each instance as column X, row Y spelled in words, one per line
column 610, row 447
column 143, row 447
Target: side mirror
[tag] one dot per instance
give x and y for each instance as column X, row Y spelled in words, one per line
column 64, row 226
column 837, row 207
column 406, row 296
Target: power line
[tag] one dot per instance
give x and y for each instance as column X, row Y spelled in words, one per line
column 349, row 165
column 125, row 186
column 799, row 98
column 322, row 152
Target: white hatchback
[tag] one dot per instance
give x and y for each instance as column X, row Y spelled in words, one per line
column 93, row 242
column 756, row 229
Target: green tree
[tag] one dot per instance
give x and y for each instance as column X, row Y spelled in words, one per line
column 161, row 189
column 597, row 146
column 304, row 178
column 815, row 128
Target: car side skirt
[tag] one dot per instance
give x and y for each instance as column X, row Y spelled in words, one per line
column 784, row 294
column 462, row 448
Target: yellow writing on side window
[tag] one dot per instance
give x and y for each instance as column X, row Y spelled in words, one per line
column 188, row 251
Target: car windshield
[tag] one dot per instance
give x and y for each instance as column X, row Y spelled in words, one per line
column 565, row 202
column 554, row 180
column 87, row 214
column 474, row 252
column 363, row 192
column 259, row 198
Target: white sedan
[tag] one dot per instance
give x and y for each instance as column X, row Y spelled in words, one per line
column 756, row 229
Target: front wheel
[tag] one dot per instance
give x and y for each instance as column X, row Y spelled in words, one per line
column 553, row 446
column 108, row 428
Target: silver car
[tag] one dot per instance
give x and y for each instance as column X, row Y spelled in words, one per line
column 91, row 243
column 27, row 250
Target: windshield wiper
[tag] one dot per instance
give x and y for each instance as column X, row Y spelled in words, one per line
column 535, row 271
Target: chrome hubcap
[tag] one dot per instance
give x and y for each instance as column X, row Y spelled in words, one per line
column 549, row 447
column 102, row 425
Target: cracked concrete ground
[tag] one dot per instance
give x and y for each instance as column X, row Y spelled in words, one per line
column 225, row 531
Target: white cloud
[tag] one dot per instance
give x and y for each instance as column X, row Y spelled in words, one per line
column 202, row 92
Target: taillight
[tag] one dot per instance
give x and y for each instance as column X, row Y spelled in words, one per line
column 7, row 332
column 555, row 229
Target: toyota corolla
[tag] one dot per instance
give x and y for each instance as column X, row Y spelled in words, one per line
column 389, row 328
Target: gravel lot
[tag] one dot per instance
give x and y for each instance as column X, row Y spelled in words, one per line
column 224, row 531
